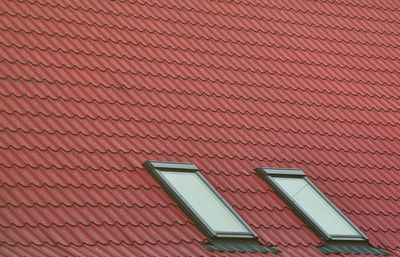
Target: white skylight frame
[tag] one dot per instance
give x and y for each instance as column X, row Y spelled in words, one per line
column 159, row 170
column 270, row 175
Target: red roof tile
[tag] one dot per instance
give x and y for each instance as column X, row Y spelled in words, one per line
column 90, row 90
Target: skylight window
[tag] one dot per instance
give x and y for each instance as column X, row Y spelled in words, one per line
column 311, row 205
column 184, row 183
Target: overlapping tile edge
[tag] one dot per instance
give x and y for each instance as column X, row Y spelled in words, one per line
column 163, row 153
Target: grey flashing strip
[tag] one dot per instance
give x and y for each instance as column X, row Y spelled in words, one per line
column 351, row 249
column 280, row 172
column 242, row 247
column 172, row 165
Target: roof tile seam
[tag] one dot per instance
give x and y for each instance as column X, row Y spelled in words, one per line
column 289, row 47
column 262, row 208
column 190, row 77
column 130, row 170
column 290, row 9
column 204, row 52
column 109, row 242
column 159, row 205
column 135, row 243
column 373, row 181
column 287, row 208
column 303, row 226
column 197, row 139
column 121, row 187
column 377, row 229
column 204, row 155
column 159, row 121
column 117, row 151
column 86, row 205
column 372, row 212
column 66, row 166
column 239, row 2
column 236, row 175
column 245, row 173
column 96, row 224
column 357, row 180
column 77, row 186
column 362, row 196
column 190, row 107
column 207, row 155
column 172, row 204
column 331, row 194
column 336, row 2
column 211, row 37
column 214, row 94
column 198, row 64
column 191, row 9
column 39, row 166
column 199, row 109
column 201, row 139
column 202, row 24
column 282, row 226
column 295, row 245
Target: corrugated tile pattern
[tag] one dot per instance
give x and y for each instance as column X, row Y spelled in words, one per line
column 91, row 89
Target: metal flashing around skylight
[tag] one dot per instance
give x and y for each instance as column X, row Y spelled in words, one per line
column 239, row 246
column 310, row 204
column 282, row 172
column 199, row 200
column 173, row 165
column 332, row 248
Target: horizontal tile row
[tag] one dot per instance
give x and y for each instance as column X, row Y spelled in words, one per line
column 91, row 90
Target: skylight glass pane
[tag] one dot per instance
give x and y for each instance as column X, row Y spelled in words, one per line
column 203, row 200
column 315, row 206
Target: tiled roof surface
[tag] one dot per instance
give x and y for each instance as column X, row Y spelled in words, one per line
column 91, row 89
